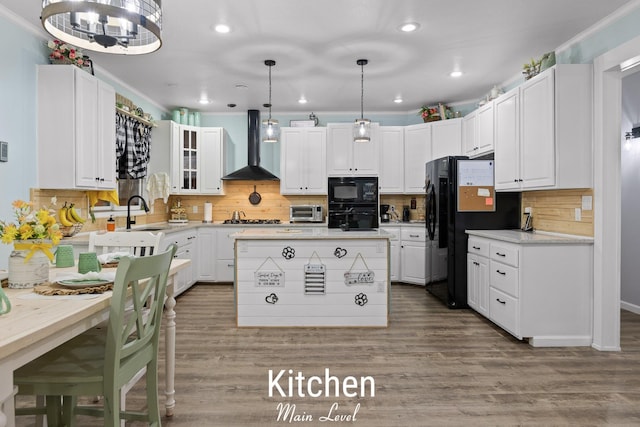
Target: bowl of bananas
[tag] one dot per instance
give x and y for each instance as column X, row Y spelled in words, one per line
column 70, row 221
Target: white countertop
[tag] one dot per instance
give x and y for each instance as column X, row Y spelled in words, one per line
column 535, row 237
column 168, row 228
column 307, row 233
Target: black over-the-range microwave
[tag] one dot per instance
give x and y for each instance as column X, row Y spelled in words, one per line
column 353, row 190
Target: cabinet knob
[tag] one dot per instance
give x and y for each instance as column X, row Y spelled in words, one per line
column 515, row 180
column 500, row 301
column 520, row 180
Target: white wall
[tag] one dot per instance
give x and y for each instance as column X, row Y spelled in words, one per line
column 630, row 164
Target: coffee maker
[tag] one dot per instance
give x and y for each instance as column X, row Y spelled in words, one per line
column 384, row 213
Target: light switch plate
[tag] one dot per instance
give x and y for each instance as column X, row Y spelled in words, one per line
column 587, row 203
column 4, row 151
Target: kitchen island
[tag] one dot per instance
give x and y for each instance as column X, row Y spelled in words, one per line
column 311, row 277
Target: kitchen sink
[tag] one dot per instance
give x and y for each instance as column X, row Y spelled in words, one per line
column 149, row 229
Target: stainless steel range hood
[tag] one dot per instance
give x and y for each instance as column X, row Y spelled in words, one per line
column 253, row 171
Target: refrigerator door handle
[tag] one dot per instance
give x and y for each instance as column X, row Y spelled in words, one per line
column 431, row 212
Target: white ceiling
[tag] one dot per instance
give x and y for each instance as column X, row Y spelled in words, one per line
column 316, row 45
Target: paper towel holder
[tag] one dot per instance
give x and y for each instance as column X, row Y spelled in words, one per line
column 209, row 212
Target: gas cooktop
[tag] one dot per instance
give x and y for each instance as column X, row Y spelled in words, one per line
column 251, row 221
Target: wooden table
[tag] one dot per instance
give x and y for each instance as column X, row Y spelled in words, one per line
column 36, row 325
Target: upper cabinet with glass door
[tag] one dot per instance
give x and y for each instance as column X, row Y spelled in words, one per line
column 190, row 159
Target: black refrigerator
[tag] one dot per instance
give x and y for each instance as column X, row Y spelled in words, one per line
column 460, row 196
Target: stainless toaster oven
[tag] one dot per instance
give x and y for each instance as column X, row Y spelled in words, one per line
column 306, row 213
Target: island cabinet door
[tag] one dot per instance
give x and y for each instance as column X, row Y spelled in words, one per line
column 312, row 282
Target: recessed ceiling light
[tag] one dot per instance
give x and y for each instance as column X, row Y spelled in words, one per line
column 456, row 73
column 409, row 27
column 302, row 100
column 398, row 100
column 222, row 28
column 241, row 86
column 204, row 101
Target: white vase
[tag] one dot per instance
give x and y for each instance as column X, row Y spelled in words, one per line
column 25, row 273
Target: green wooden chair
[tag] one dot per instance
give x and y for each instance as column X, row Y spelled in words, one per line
column 101, row 364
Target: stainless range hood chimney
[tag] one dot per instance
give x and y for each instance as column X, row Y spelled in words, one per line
column 252, row 172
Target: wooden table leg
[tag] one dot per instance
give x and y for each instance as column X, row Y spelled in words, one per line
column 170, row 348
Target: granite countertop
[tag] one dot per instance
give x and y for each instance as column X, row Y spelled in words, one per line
column 535, row 237
column 307, row 233
column 168, row 228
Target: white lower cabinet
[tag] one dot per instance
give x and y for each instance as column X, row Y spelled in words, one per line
column 413, row 254
column 478, row 276
column 187, row 249
column 206, row 255
column 394, row 253
column 538, row 291
column 225, row 264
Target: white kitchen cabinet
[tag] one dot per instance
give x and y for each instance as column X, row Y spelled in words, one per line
column 469, row 134
column 76, row 130
column 394, row 252
column 446, row 138
column 538, row 291
column 225, row 264
column 187, row 249
column 211, row 160
column 485, row 129
column 192, row 156
column 478, row 131
column 186, row 159
column 413, row 255
column 417, row 152
column 303, row 164
column 507, row 140
column 478, row 275
column 391, row 179
column 206, row 254
column 554, row 140
column 346, row 157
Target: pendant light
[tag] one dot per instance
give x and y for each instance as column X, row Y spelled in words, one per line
column 127, row 27
column 270, row 127
column 362, row 126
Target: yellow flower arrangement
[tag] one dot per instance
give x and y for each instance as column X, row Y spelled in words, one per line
column 31, row 225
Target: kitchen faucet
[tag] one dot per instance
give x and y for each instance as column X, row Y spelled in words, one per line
column 345, row 225
column 130, row 221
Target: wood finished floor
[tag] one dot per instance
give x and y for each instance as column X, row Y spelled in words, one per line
column 432, row 367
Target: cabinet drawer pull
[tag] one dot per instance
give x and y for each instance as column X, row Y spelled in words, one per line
column 501, row 272
column 476, row 248
column 476, row 263
column 414, row 235
column 230, row 265
column 500, row 301
column 499, row 254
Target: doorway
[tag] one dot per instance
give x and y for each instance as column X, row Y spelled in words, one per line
column 608, row 73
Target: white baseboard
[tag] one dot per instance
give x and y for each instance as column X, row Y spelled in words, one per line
column 630, row 307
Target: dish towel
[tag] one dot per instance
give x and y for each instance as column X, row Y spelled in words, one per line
column 106, row 195
column 158, row 187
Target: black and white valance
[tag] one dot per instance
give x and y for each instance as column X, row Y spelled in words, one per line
column 133, row 147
